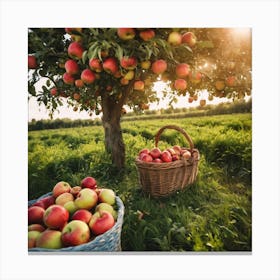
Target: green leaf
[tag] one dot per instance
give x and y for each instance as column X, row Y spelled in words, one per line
column 84, row 57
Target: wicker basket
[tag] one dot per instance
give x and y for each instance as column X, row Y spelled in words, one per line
column 109, row 241
column 162, row 179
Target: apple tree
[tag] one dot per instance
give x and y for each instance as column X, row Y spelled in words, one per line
column 100, row 70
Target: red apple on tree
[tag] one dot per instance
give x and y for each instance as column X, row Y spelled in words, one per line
column 95, row 65
column 75, row 50
column 87, row 76
column 100, row 222
column 182, row 70
column 75, row 233
column 110, row 65
column 147, row 35
column 61, row 187
column 159, row 66
column 68, row 79
column 55, row 217
column 139, row 85
column 49, row 239
column 189, row 38
column 35, row 215
column 89, row 182
column 86, row 199
column 53, row 91
column 79, row 83
column 71, row 67
column 180, row 84
column 128, row 63
column 82, row 215
column 126, row 33
column 32, row 62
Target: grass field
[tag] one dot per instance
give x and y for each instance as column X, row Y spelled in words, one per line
column 213, row 214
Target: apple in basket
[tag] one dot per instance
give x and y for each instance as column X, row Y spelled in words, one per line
column 101, row 221
column 155, row 153
column 75, row 233
column 61, row 187
column 63, row 198
column 35, row 215
column 45, row 202
column 75, row 190
column 186, row 154
column 89, row 182
column 32, row 237
column 55, row 217
column 36, row 227
column 86, row 199
column 49, row 239
column 107, row 196
column 71, row 207
column 166, row 156
column 106, row 207
column 82, row 215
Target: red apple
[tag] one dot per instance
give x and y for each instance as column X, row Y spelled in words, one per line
column 71, row 67
column 95, row 64
column 128, row 63
column 75, row 50
column 159, row 66
column 124, row 81
column 45, row 202
column 86, row 199
column 32, row 237
column 190, row 99
column 139, row 85
column 103, row 206
column 144, row 151
column 155, row 153
column 35, row 215
column 55, row 217
column 171, row 151
column 174, row 38
column 82, row 215
column 182, row 70
column 100, row 222
column 157, row 160
column 79, row 83
column 166, row 156
column 63, row 198
column 110, row 65
column 107, row 196
column 49, row 239
column 147, row 35
column 53, row 91
column 32, row 62
column 186, row 154
column 146, row 158
column 175, row 157
column 87, row 76
column 177, row 149
column 75, row 233
column 68, row 79
column 180, row 84
column 126, row 33
column 36, row 227
column 61, row 187
column 89, row 182
column 189, row 38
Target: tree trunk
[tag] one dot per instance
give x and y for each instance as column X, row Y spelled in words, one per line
column 114, row 144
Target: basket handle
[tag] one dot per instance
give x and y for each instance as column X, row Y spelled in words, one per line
column 157, row 137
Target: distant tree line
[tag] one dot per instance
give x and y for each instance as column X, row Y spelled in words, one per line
column 222, row 108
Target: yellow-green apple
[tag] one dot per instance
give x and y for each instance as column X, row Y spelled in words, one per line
column 79, row 83
column 180, row 84
column 147, row 35
column 35, row 215
column 95, row 65
column 174, row 38
column 202, row 102
column 186, row 154
column 87, row 76
column 86, row 199
column 106, row 207
column 189, row 38
column 75, row 233
column 159, row 66
column 45, row 202
column 63, row 198
column 155, row 152
column 32, row 237
column 139, row 85
column 182, row 70
column 49, row 239
column 71, row 67
column 61, row 187
column 71, row 207
column 32, row 62
column 82, row 215
column 129, row 75
column 128, row 63
column 55, row 217
column 68, row 79
column 146, row 64
column 36, row 227
column 166, row 156
column 75, row 50
column 230, row 81
column 146, row 158
column 89, row 182
column 110, row 65
column 126, row 33
column 75, row 190
column 53, row 91
column 100, row 222
column 107, row 196
column 220, row 85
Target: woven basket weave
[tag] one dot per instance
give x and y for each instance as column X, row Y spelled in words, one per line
column 109, row 241
column 162, row 179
